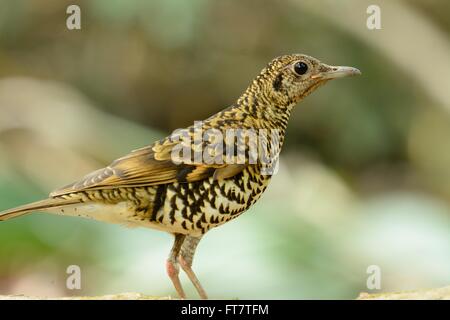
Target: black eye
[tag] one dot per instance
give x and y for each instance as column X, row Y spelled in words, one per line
column 300, row 68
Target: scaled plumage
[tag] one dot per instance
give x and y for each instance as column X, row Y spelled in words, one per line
column 154, row 188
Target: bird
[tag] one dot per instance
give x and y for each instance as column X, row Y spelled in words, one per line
column 200, row 177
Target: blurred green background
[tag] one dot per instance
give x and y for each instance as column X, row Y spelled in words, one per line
column 365, row 171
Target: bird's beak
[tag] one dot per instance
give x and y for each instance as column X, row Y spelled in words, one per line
column 336, row 72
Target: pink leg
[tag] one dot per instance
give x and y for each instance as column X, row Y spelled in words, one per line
column 172, row 267
column 186, row 258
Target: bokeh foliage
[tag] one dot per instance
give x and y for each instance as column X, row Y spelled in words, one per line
column 364, row 175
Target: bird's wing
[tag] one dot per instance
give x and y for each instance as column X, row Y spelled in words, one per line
column 152, row 165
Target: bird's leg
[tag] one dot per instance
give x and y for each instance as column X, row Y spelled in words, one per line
column 172, row 267
column 185, row 258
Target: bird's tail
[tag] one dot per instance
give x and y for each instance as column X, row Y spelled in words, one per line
column 43, row 206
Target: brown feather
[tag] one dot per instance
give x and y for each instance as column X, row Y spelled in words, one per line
column 142, row 167
column 42, row 205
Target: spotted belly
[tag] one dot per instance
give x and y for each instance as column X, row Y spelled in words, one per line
column 188, row 208
column 194, row 208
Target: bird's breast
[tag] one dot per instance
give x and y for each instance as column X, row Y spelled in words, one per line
column 197, row 207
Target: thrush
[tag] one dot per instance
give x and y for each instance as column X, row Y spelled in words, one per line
column 201, row 177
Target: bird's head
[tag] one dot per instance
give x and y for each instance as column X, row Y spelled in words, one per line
column 288, row 79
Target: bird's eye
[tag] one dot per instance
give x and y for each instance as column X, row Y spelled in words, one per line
column 300, row 68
